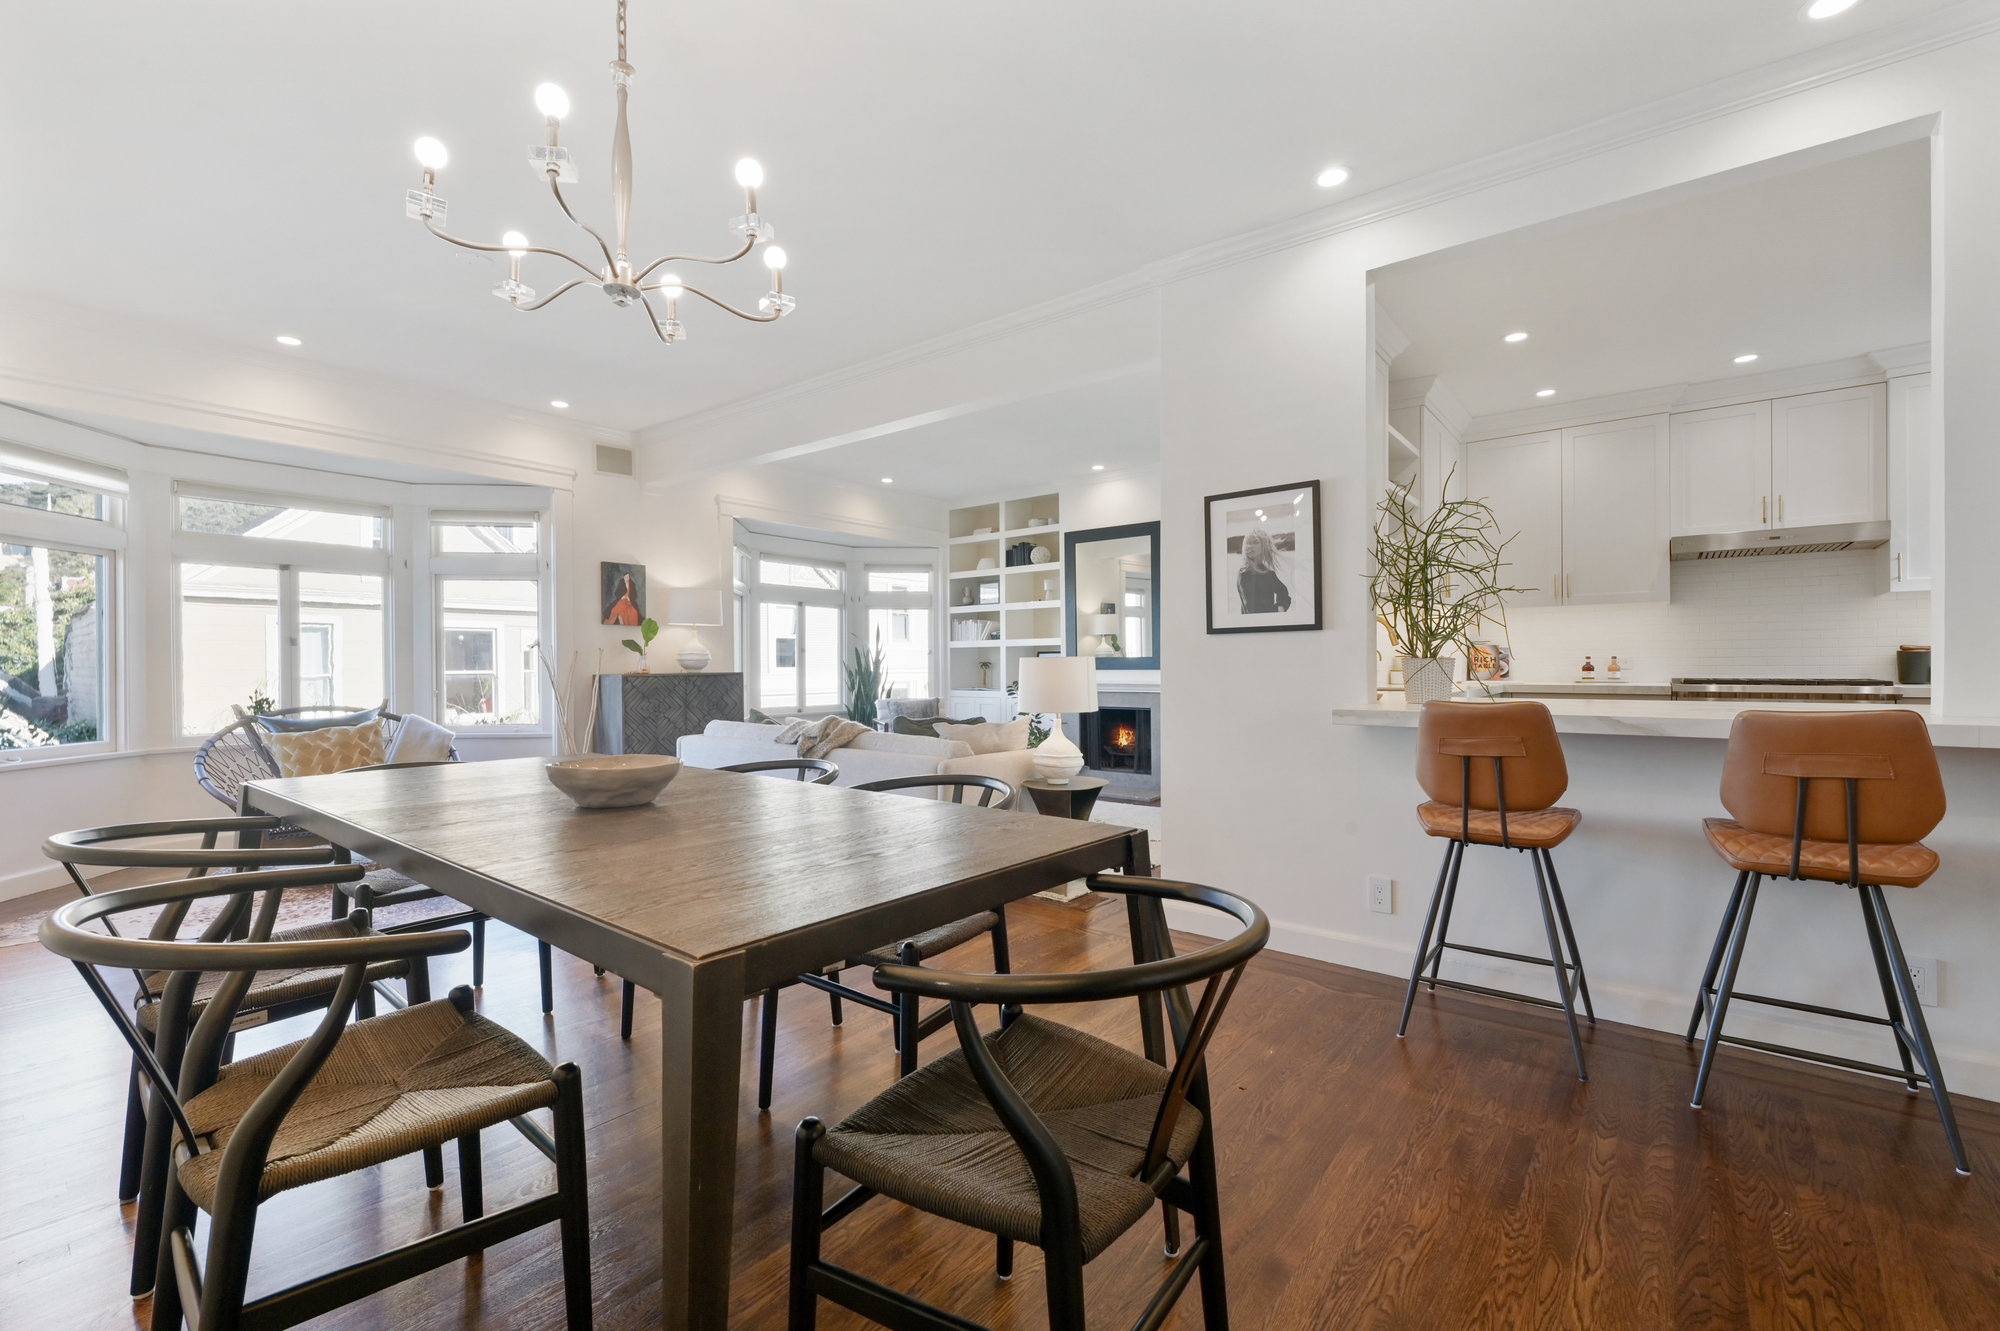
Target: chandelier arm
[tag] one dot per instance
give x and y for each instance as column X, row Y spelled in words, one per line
column 430, row 224
column 555, row 187
column 723, row 304
column 658, row 331
column 748, row 245
column 567, row 286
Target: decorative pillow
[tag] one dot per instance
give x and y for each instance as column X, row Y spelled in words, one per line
column 990, row 737
column 762, row 719
column 420, row 740
column 927, row 725
column 329, row 749
column 298, row 725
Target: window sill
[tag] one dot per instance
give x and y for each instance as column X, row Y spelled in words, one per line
column 58, row 757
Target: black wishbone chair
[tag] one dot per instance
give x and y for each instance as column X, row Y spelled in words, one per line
column 273, row 995
column 410, row 1080
column 817, row 771
column 1039, row 1133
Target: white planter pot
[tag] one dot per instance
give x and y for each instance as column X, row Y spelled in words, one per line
column 1428, row 678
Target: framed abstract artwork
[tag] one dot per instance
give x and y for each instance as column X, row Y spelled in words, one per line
column 623, row 593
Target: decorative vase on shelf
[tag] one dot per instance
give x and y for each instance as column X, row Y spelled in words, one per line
column 1427, row 678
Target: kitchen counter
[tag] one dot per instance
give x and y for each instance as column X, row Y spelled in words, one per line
column 1666, row 717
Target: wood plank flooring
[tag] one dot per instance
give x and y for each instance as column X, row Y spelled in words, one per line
column 1460, row 1179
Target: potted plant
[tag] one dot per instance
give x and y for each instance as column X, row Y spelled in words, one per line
column 649, row 629
column 864, row 683
column 1436, row 581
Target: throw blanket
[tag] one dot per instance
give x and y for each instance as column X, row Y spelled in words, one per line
column 826, row 735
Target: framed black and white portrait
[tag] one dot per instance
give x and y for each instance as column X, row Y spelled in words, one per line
column 1263, row 559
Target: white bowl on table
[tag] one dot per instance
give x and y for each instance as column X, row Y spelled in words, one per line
column 613, row 780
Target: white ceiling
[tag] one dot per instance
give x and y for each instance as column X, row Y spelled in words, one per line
column 1049, row 440
column 1821, row 264
column 238, row 169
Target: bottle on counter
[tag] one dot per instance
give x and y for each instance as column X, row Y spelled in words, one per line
column 1611, row 670
column 1589, row 671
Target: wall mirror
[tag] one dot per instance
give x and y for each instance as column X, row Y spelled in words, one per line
column 1112, row 608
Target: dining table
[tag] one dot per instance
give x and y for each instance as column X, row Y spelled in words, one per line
column 725, row 886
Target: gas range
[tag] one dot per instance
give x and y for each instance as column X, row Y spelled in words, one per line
column 1804, row 690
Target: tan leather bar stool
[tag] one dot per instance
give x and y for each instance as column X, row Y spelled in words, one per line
column 1832, row 797
column 1493, row 772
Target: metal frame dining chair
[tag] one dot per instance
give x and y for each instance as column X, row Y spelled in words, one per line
column 817, row 771
column 1037, row 1132
column 406, row 1081
column 273, row 995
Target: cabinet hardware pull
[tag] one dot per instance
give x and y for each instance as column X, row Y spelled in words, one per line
column 1781, row 508
column 1764, row 509
column 1899, row 566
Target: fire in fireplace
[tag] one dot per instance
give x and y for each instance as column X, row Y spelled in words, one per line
column 1118, row 739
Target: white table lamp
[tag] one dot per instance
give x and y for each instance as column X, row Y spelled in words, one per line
column 694, row 608
column 1106, row 627
column 1059, row 685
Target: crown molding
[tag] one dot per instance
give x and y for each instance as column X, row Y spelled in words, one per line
column 1431, row 392
column 1912, row 359
column 1816, row 68
column 1611, row 407
column 1390, row 339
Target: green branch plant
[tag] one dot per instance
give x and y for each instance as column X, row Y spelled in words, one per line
column 1437, row 575
column 649, row 629
column 864, row 683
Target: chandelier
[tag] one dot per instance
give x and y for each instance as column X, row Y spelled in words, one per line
column 618, row 278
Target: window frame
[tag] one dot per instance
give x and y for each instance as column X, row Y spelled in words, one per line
column 494, row 566
column 783, row 593
column 904, row 601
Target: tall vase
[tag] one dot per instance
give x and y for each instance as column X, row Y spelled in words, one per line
column 1427, row 678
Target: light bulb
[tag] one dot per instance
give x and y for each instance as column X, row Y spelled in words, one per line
column 749, row 174
column 516, row 243
column 431, row 155
column 551, row 101
column 774, row 258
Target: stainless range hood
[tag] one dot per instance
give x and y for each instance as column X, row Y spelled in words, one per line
column 1782, row 541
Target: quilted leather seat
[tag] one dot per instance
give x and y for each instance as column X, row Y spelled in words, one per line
column 1900, row 864
column 1536, row 828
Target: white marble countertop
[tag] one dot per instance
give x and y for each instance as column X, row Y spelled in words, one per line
column 1669, row 718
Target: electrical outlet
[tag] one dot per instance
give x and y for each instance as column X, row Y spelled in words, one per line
column 1924, row 978
column 1382, row 896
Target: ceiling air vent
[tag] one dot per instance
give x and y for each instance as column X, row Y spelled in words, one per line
column 613, row 460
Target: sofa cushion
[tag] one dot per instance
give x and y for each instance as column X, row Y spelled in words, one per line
column 927, row 725
column 990, row 736
column 917, row 746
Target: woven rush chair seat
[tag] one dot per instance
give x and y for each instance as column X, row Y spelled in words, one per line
column 275, row 988
column 932, row 942
column 933, row 1141
column 1907, row 864
column 394, row 1084
column 1536, row 829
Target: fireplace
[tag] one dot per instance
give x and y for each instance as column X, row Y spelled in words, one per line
column 1118, row 739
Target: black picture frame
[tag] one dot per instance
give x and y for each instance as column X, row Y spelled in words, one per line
column 1150, row 530
column 1239, row 617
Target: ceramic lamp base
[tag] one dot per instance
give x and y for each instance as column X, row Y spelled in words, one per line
column 1057, row 759
column 694, row 657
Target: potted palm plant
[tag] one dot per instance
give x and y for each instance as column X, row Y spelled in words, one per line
column 1436, row 581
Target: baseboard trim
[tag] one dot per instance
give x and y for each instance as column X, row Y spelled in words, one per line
column 27, row 882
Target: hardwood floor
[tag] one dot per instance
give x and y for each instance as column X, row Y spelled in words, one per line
column 1460, row 1179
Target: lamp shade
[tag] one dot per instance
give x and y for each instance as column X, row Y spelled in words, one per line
column 694, row 607
column 1058, row 684
column 1102, row 624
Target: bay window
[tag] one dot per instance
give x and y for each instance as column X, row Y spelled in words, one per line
column 799, row 634
column 488, row 611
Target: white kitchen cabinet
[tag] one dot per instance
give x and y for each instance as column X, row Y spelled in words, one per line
column 1721, row 469
column 1910, row 483
column 1520, row 479
column 1615, row 512
column 1830, row 457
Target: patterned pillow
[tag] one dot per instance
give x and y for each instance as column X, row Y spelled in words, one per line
column 927, row 725
column 329, row 749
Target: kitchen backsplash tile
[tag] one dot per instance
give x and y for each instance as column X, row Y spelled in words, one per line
column 1829, row 614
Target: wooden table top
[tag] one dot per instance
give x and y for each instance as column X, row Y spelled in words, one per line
column 722, row 862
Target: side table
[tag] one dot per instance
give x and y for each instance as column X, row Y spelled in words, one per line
column 1074, row 800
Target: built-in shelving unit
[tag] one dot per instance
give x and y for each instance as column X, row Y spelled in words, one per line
column 1023, row 603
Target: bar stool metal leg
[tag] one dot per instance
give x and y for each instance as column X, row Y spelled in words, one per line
column 1889, row 999
column 1424, row 943
column 1713, row 1040
column 1444, row 917
column 1919, row 1034
column 1562, row 974
column 1715, row 955
column 1569, row 935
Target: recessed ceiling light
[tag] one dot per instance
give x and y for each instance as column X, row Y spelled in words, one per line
column 1747, row 358
column 287, row 340
column 1097, row 466
column 1333, row 175
column 1515, row 337
column 888, row 480
column 558, row 404
column 1828, row 8
column 1545, row 392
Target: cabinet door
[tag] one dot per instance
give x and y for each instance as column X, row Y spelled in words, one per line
column 1829, row 457
column 1521, row 481
column 1910, row 483
column 1615, row 512
column 1721, row 469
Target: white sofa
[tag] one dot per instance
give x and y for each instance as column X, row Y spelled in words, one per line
column 871, row 757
